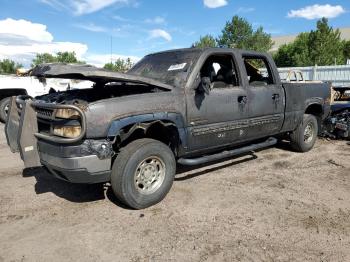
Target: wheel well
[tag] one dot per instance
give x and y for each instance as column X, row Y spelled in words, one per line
column 4, row 93
column 314, row 109
column 317, row 111
column 163, row 131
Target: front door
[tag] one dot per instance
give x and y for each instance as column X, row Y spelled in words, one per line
column 218, row 118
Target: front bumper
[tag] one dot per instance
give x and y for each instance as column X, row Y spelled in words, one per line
column 86, row 169
column 75, row 163
column 74, row 160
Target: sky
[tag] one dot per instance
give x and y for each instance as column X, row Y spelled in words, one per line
column 94, row 29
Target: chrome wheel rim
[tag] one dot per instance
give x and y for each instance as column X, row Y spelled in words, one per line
column 149, row 175
column 309, row 133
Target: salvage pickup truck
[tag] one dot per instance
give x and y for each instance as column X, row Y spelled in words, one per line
column 188, row 106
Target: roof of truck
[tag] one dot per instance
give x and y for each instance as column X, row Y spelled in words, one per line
column 205, row 49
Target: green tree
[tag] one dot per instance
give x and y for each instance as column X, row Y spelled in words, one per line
column 120, row 65
column 322, row 46
column 43, row 58
column 60, row 57
column 8, row 66
column 325, row 44
column 260, row 41
column 205, row 41
column 67, row 57
column 239, row 33
column 294, row 54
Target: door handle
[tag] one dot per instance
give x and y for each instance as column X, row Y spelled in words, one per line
column 276, row 97
column 242, row 100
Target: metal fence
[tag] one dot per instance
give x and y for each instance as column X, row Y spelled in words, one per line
column 338, row 75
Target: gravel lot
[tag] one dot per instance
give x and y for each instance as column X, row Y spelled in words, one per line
column 275, row 205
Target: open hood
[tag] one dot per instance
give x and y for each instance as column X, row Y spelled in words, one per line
column 91, row 73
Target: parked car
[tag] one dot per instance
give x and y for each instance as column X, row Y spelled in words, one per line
column 187, row 106
column 12, row 85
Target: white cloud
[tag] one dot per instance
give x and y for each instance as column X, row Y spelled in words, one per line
column 90, row 6
column 54, row 4
column 27, row 29
column 214, row 3
column 100, row 60
column 92, row 27
column 245, row 9
column 21, row 40
column 317, row 11
column 159, row 33
column 156, row 20
column 120, row 18
column 82, row 7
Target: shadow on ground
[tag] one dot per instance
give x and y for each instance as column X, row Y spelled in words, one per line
column 80, row 193
column 185, row 172
column 77, row 193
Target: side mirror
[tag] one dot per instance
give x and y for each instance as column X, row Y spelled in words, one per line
column 205, row 85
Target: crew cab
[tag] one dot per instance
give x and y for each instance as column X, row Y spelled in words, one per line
column 187, row 106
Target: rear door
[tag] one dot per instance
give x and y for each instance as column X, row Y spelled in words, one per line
column 265, row 96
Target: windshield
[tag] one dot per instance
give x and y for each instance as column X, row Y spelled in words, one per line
column 171, row 68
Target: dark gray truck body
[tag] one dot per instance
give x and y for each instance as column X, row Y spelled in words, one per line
column 168, row 107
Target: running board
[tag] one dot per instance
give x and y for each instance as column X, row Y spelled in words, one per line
column 226, row 154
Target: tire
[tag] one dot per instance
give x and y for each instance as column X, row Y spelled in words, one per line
column 135, row 171
column 304, row 137
column 4, row 106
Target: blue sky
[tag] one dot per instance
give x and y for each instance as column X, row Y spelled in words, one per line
column 138, row 27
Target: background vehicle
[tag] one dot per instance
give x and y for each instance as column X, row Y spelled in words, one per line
column 12, row 85
column 189, row 106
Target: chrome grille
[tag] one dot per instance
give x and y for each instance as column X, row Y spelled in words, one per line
column 45, row 113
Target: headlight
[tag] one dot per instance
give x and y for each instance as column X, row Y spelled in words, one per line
column 67, row 113
column 67, row 131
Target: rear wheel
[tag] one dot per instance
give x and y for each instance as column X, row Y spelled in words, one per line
column 143, row 173
column 4, row 109
column 304, row 137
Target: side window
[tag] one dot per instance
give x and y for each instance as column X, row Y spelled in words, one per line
column 221, row 71
column 258, row 71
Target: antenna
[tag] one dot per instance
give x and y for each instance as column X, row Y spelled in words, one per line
column 111, row 48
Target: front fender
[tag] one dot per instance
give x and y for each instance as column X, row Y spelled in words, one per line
column 176, row 118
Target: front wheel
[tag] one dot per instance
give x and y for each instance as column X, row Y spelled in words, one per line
column 304, row 137
column 4, row 109
column 143, row 173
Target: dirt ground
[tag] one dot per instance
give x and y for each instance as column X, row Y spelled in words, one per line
column 275, row 205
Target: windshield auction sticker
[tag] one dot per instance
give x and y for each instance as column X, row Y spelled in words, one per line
column 177, row 67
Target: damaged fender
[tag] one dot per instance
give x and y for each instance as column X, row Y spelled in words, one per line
column 146, row 120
